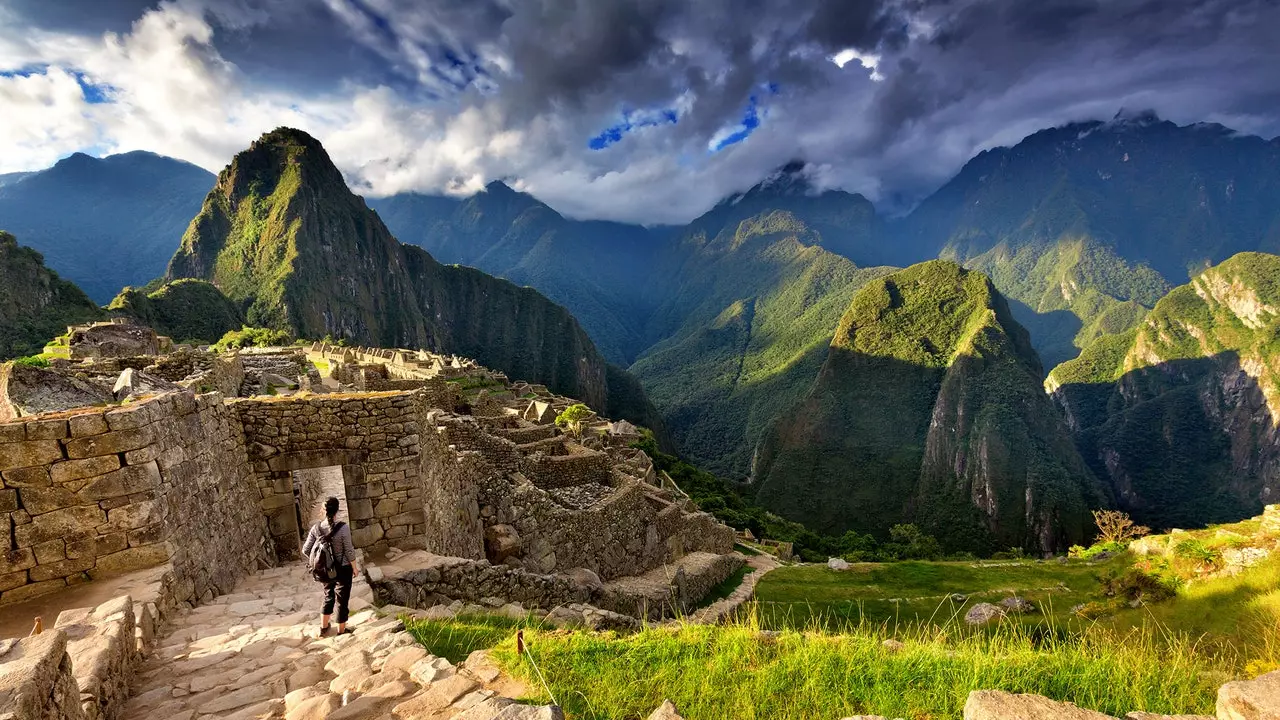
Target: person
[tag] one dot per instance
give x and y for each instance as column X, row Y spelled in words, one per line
column 344, row 555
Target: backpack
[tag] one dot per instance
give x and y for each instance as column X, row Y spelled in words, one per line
column 324, row 567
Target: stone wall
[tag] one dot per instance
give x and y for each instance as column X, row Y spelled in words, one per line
column 98, row 492
column 36, row 681
column 103, row 651
column 373, row 436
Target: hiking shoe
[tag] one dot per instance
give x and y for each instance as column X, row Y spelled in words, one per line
column 326, row 631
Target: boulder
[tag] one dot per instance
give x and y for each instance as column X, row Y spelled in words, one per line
column 1257, row 699
column 586, row 578
column 598, row 619
column 113, row 340
column 501, row 542
column 666, row 711
column 1158, row 716
column 1017, row 606
column 134, row 383
column 26, row 390
column 983, row 613
column 997, row 705
column 836, row 563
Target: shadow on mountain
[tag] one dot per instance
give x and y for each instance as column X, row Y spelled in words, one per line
column 1183, row 443
column 1054, row 331
column 972, row 452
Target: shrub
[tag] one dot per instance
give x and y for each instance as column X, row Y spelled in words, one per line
column 571, row 418
column 1116, row 527
column 252, row 337
column 1138, row 586
column 1204, row 556
column 32, row 361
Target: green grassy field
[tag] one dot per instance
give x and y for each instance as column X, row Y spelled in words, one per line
column 739, row 671
column 913, row 592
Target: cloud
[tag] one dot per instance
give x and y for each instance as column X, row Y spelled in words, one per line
column 637, row 110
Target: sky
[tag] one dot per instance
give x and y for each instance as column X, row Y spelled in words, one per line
column 646, row 111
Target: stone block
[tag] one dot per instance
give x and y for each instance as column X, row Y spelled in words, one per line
column 111, row 443
column 72, row 470
column 87, row 425
column 148, row 535
column 46, row 429
column 366, row 536
column 92, row 547
column 31, row 590
column 37, row 683
column 129, row 560
column 386, row 508
column 142, row 455
column 130, row 417
column 413, row 517
column 13, row 432
column 15, row 560
column 67, row 522
column 40, row 500
column 50, row 552
column 360, row 509
column 9, row 581
column 273, row 501
column 125, row 481
column 28, row 453
column 134, row 515
column 59, row 569
column 27, row 477
column 8, row 501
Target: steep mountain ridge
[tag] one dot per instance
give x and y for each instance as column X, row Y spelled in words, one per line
column 928, row 409
column 1088, row 223
column 105, row 223
column 1180, row 414
column 283, row 236
column 35, row 304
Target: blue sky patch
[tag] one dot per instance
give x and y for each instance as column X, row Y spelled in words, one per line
column 750, row 121
column 632, row 121
column 94, row 94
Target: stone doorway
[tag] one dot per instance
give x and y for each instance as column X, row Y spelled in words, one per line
column 294, row 491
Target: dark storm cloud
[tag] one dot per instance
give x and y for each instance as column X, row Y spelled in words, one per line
column 524, row 89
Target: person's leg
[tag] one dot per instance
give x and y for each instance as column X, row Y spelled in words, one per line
column 328, row 605
column 345, row 578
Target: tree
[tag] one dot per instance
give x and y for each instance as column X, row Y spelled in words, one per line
column 571, row 419
column 1116, row 527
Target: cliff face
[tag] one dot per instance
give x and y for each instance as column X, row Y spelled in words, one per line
column 35, row 304
column 1180, row 415
column 928, row 409
column 283, row 236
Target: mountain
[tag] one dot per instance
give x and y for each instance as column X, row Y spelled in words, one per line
column 928, row 409
column 283, row 236
column 745, row 301
column 35, row 304
column 598, row 270
column 1179, row 414
column 1087, row 225
column 185, row 310
column 105, row 223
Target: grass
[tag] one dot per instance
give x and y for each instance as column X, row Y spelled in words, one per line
column 914, row 592
column 738, row 671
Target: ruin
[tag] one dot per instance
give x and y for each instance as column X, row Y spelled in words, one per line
column 458, row 487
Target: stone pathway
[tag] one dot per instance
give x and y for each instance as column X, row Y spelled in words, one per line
column 256, row 654
column 720, row 610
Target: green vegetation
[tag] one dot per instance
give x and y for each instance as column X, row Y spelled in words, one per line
column 32, row 361
column 285, row 239
column 735, row 671
column 571, row 418
column 186, row 310
column 251, row 337
column 35, row 304
column 928, row 368
column 936, row 593
column 1152, row 400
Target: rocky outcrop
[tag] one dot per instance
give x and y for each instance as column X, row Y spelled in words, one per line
column 324, row 264
column 36, row 681
column 1257, row 699
column 27, row 390
column 997, row 705
column 929, row 408
column 1180, row 417
column 113, row 340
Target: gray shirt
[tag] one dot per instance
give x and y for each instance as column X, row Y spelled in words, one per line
column 343, row 551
